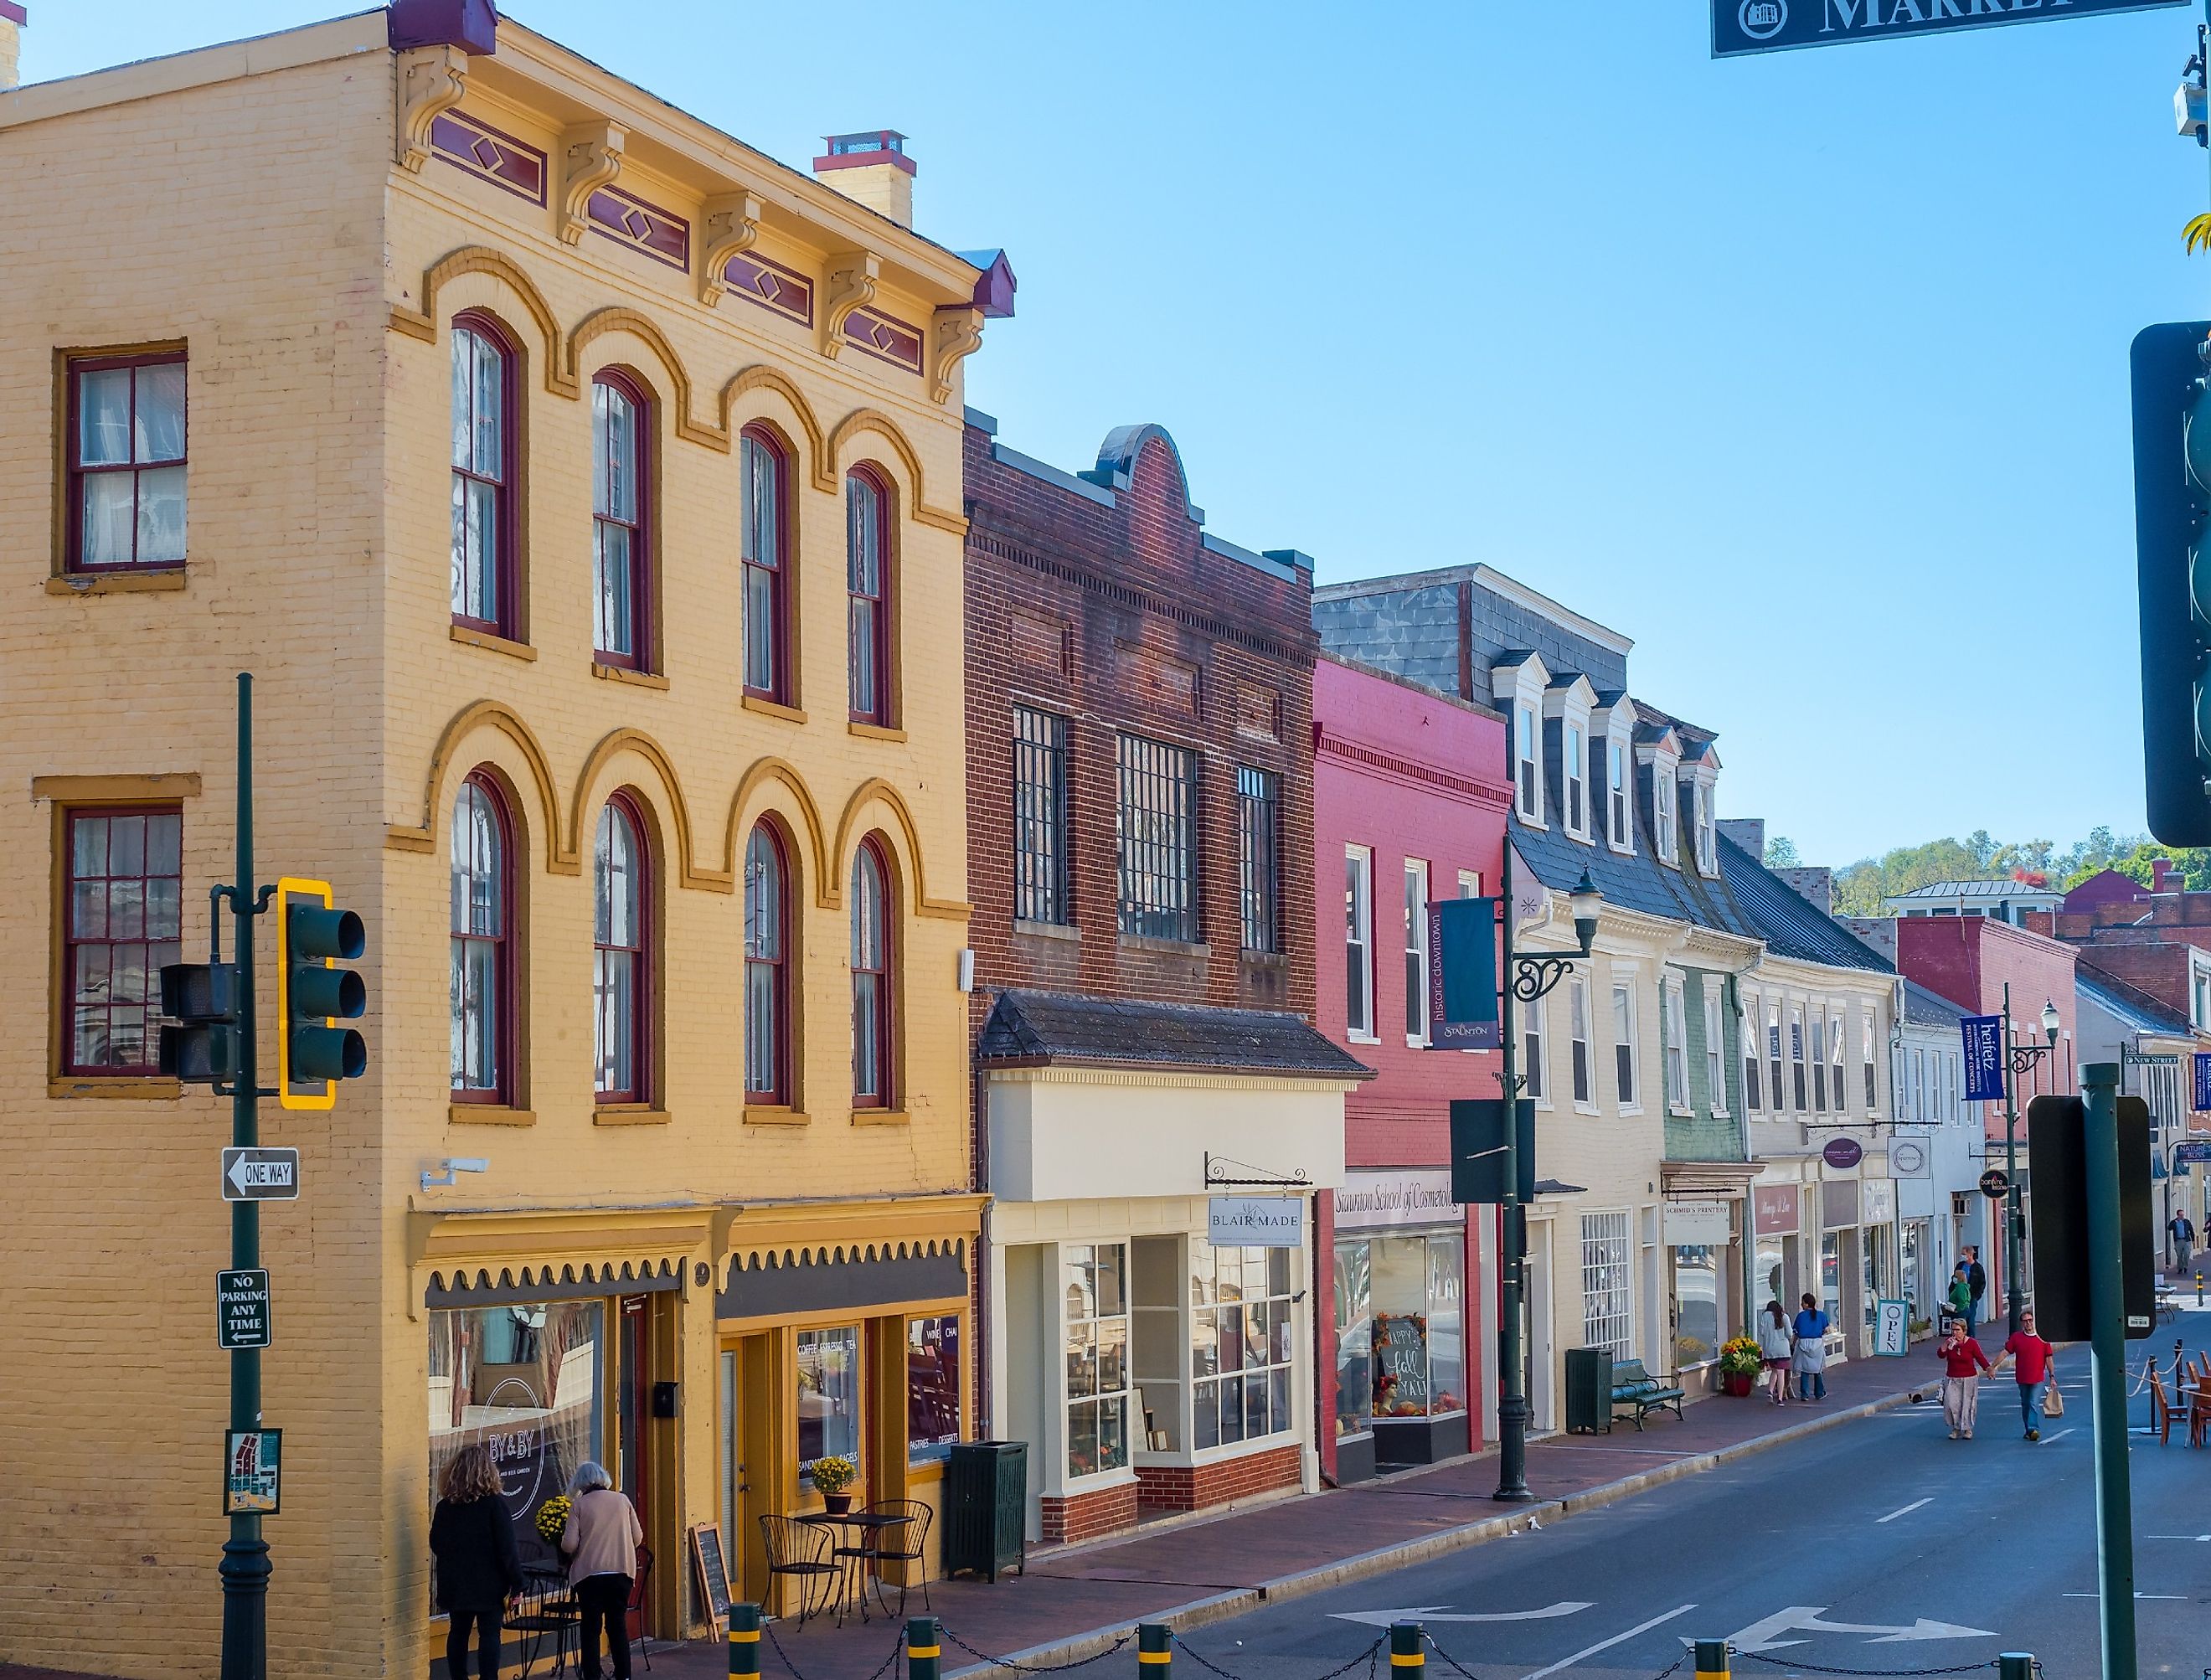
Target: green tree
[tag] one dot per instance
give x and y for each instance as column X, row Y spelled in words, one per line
column 1781, row 853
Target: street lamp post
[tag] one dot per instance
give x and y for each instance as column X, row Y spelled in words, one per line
column 2019, row 1058
column 1528, row 979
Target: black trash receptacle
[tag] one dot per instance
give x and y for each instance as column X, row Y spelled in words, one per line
column 986, row 1494
column 1588, row 1391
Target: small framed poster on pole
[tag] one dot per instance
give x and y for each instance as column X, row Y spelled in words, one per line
column 252, row 1472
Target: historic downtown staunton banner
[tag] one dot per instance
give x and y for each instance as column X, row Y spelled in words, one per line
column 1776, row 25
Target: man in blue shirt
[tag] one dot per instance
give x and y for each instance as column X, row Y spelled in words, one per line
column 1810, row 1353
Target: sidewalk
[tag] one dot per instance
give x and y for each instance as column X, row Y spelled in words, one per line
column 1076, row 1600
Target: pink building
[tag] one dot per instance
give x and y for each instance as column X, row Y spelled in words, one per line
column 1410, row 793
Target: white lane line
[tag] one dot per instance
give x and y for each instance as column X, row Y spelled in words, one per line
column 1607, row 1645
column 2060, row 1435
column 2169, row 1598
column 1908, row 1510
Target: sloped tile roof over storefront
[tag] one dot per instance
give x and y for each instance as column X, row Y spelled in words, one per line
column 1059, row 1029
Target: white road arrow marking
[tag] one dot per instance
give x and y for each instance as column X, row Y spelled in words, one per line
column 1383, row 1618
column 1805, row 1618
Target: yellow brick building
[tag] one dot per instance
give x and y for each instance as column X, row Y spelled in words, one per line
column 315, row 324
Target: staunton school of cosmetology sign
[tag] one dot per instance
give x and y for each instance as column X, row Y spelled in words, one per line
column 1776, row 25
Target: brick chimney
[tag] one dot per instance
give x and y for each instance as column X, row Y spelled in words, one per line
column 1816, row 887
column 2159, row 869
column 1747, row 832
column 13, row 17
column 871, row 169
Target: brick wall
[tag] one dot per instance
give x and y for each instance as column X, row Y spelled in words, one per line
column 1087, row 1516
column 1200, row 1487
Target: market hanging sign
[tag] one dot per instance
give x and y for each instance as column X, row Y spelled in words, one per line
column 1740, row 26
column 1256, row 1222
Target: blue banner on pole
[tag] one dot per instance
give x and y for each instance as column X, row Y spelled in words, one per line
column 1984, row 1057
column 1775, row 25
column 1463, row 1011
column 2203, row 1080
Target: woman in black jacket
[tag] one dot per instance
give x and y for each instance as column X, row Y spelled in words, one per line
column 479, row 1568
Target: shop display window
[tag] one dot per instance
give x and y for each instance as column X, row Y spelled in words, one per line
column 1700, row 1304
column 1411, row 1347
column 828, row 1395
column 932, row 1387
column 1240, row 1322
column 1094, row 1286
column 528, row 1381
column 1354, row 1343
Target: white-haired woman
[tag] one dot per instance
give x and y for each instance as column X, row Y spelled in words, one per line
column 601, row 1543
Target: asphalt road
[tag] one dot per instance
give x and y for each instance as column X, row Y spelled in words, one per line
column 1879, row 1547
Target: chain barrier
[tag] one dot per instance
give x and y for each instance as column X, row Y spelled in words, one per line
column 1428, row 1640
column 1886, row 1673
column 1369, row 1657
column 1676, row 1669
column 897, row 1650
column 1033, row 1668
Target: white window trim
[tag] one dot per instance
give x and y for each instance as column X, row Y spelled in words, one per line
column 1532, row 1017
column 1419, row 933
column 1704, row 819
column 1752, row 1046
column 1578, row 986
column 1674, row 1034
column 1569, row 705
column 1364, row 855
column 1529, row 679
column 1839, row 1060
column 1626, row 979
column 1716, row 1051
column 1665, row 762
column 1619, row 734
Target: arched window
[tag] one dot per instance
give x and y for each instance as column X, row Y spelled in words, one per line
column 764, row 553
column 867, row 566
column 483, row 945
column 483, row 477
column 767, row 1021
column 621, row 972
column 871, row 980
column 621, row 552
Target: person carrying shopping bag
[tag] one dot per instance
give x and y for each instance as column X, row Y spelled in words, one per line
column 2030, row 1357
column 1963, row 1361
column 601, row 1543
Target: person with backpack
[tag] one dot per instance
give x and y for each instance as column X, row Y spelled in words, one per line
column 1809, row 1352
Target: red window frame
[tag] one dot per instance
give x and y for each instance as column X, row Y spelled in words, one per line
column 777, row 1090
column 73, row 940
column 641, row 533
column 776, row 569
column 642, row 957
column 76, row 471
column 504, row 967
column 879, row 637
column 881, row 1008
column 506, row 579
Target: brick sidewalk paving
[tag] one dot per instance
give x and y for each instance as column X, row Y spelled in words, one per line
column 1077, row 1590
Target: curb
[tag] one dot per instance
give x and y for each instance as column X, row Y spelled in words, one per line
column 1304, row 1583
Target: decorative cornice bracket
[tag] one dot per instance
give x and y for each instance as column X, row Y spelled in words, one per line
column 431, row 80
column 852, row 278
column 958, row 336
column 594, row 158
column 732, row 223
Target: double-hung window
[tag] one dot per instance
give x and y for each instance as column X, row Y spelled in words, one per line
column 621, row 974
column 1623, row 1041
column 764, row 558
column 1259, row 858
column 1359, row 941
column 1156, row 817
column 1620, row 833
column 1753, row 1096
column 1525, row 740
column 1677, row 1045
column 1578, row 1006
column 867, row 569
column 1576, row 754
column 1662, row 801
column 1865, row 1040
column 1815, row 1048
column 1040, row 816
column 1416, row 951
column 126, row 463
column 482, row 956
column 122, row 921
column 1706, row 840
column 1836, row 1082
column 767, row 1007
column 1531, row 1050
column 620, row 555
column 874, row 1011
column 483, row 479
column 1773, row 1056
column 1796, row 1059
column 1714, row 1053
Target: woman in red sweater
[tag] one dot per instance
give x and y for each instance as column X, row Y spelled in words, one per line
column 1963, row 1361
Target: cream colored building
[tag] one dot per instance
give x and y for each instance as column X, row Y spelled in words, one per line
column 582, row 489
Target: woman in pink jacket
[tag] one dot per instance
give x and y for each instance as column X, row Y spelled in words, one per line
column 601, row 1543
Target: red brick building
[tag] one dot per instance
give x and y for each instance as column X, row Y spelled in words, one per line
column 1155, row 1109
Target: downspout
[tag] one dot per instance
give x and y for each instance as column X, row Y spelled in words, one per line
column 985, row 1416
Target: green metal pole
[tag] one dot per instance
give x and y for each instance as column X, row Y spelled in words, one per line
column 1409, row 1656
column 1512, row 1404
column 1711, row 1659
column 2115, row 1543
column 1154, row 1651
column 2016, row 1666
column 2013, row 1296
column 245, row 1569
column 923, row 1652
column 744, row 1638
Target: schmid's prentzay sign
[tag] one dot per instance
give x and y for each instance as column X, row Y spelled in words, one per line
column 1774, row 26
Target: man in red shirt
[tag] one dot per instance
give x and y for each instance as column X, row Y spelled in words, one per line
column 1963, row 1361
column 2029, row 1356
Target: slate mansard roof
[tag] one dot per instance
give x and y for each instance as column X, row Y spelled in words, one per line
column 1790, row 925
column 1060, row 1029
column 1922, row 1008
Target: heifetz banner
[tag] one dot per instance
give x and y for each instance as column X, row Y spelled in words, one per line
column 1775, row 25
column 2202, row 1060
column 1984, row 1057
column 1462, row 979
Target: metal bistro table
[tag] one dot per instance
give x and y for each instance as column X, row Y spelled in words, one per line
column 547, row 1605
column 863, row 1525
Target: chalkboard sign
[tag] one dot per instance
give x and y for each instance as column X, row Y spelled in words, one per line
column 713, row 1572
column 1401, row 1365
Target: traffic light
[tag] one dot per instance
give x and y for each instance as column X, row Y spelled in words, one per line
column 2173, row 542
column 2056, row 1144
column 198, row 1044
column 313, row 937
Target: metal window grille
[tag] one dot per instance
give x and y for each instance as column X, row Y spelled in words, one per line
column 1157, row 824
column 1608, row 1296
column 1040, row 816
column 1258, row 845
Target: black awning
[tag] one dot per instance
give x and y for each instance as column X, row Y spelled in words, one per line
column 1058, row 1029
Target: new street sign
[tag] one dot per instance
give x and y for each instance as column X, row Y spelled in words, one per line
column 260, row 1175
column 1741, row 27
column 242, row 1318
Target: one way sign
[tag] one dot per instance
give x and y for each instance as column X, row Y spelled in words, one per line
column 260, row 1175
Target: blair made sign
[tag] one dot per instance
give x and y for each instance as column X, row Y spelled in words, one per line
column 1256, row 1222
column 1775, row 25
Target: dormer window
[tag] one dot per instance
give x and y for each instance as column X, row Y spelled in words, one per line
column 1662, row 795
column 1526, row 770
column 1616, row 822
column 1576, row 767
column 1702, row 831
column 1566, row 705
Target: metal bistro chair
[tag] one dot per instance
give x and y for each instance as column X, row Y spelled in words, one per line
column 904, row 1540
column 803, row 1552
column 547, row 1606
column 2162, row 1411
column 640, row 1583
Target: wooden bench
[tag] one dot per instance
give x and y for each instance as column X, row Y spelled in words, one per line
column 1634, row 1387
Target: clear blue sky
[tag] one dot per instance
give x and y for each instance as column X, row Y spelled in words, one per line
column 1806, row 371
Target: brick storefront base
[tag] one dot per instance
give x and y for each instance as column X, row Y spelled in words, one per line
column 1087, row 1516
column 1199, row 1487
